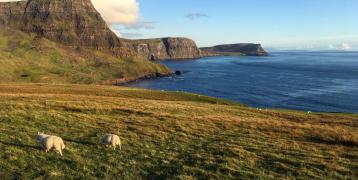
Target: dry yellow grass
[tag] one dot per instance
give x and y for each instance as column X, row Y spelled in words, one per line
column 168, row 135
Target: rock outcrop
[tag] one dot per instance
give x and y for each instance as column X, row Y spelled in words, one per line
column 77, row 24
column 242, row 49
column 74, row 23
column 166, row 48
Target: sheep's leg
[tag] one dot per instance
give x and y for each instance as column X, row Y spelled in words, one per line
column 114, row 147
column 120, row 147
column 60, row 152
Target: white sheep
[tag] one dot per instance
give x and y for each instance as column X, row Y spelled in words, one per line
column 48, row 142
column 111, row 140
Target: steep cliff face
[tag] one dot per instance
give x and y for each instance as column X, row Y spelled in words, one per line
column 167, row 48
column 76, row 23
column 244, row 49
column 73, row 23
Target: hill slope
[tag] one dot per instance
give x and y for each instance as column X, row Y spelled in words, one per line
column 168, row 135
column 29, row 58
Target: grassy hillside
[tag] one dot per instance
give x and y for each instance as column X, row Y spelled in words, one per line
column 168, row 135
column 25, row 58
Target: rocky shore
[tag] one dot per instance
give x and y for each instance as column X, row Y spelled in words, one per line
column 127, row 80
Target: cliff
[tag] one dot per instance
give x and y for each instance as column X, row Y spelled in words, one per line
column 74, row 23
column 77, row 24
column 243, row 49
column 166, row 48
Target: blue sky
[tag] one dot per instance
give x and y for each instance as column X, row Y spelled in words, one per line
column 283, row 24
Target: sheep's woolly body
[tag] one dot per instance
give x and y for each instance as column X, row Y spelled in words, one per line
column 48, row 142
column 111, row 140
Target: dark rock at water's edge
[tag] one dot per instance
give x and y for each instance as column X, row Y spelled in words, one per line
column 178, row 73
column 241, row 49
column 124, row 81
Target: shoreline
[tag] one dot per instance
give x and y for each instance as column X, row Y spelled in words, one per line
column 124, row 81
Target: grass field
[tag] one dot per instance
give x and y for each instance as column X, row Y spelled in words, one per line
column 167, row 135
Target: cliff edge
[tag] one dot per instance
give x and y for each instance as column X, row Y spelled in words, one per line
column 166, row 48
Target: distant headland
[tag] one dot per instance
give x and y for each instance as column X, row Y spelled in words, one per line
column 241, row 49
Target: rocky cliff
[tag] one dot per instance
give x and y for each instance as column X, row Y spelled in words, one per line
column 166, row 48
column 243, row 49
column 73, row 23
column 76, row 23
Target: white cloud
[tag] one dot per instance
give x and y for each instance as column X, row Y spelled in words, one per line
column 331, row 46
column 125, row 12
column 118, row 11
column 193, row 16
column 115, row 31
column 343, row 46
column 141, row 25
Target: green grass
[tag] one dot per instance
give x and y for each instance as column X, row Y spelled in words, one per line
column 167, row 135
column 25, row 58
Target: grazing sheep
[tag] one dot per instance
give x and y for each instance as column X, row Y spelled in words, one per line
column 111, row 140
column 48, row 142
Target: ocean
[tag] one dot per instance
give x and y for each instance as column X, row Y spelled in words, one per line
column 309, row 81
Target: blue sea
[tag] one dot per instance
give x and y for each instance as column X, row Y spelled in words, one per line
column 309, row 81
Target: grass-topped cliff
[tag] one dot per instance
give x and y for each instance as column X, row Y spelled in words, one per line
column 28, row 58
column 240, row 49
column 167, row 135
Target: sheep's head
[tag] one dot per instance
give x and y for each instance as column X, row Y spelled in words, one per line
column 40, row 136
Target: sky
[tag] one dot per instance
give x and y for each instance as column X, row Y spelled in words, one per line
column 282, row 24
column 278, row 24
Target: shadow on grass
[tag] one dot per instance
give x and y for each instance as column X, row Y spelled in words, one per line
column 80, row 142
column 20, row 145
column 347, row 143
